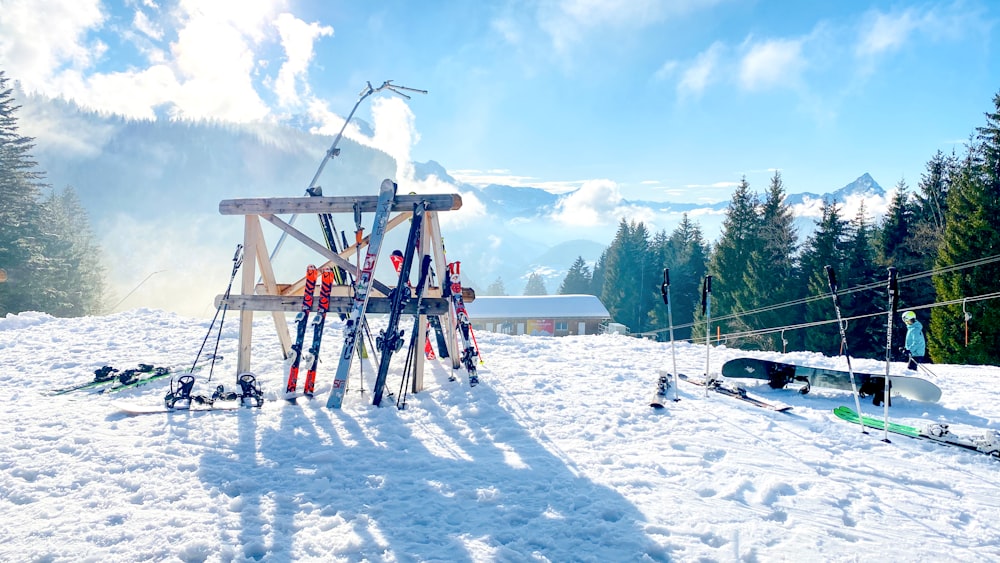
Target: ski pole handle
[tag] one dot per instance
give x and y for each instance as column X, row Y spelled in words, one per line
column 706, row 291
column 893, row 291
column 665, row 288
column 831, row 278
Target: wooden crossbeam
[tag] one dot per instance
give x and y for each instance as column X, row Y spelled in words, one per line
column 334, row 204
column 376, row 305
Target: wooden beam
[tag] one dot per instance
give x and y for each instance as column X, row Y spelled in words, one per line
column 335, row 204
column 321, row 249
column 251, row 226
column 299, row 286
column 270, row 287
column 376, row 305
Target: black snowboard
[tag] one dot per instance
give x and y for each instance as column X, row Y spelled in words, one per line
column 780, row 374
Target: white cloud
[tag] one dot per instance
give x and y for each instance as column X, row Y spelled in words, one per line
column 702, row 71
column 483, row 178
column 597, row 202
column 207, row 70
column 771, row 63
column 885, row 32
column 37, row 37
column 297, row 38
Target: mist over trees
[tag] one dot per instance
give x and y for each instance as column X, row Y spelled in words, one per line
column 47, row 250
column 771, row 292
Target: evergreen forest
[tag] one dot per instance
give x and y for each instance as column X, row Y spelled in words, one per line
column 770, row 290
column 49, row 260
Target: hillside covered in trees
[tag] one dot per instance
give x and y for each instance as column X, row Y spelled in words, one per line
column 770, row 290
column 48, row 256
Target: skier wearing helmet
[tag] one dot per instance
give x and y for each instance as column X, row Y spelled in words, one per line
column 915, row 346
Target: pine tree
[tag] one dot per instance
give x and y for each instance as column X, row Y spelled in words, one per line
column 732, row 255
column 72, row 272
column 47, row 249
column 825, row 247
column 770, row 269
column 535, row 285
column 969, row 234
column 930, row 210
column 20, row 221
column 496, row 288
column 685, row 253
column 597, row 275
column 630, row 282
column 866, row 333
column 577, row 280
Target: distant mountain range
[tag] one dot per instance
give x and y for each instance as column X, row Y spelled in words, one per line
column 152, row 190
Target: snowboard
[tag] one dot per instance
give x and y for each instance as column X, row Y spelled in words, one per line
column 135, row 409
column 780, row 374
column 988, row 444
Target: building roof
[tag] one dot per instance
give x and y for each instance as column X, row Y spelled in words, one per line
column 537, row 307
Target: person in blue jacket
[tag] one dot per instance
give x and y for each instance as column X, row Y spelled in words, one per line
column 916, row 345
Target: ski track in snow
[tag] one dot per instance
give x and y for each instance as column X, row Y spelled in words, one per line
column 555, row 456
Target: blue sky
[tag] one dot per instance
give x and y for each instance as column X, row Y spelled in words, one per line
column 660, row 100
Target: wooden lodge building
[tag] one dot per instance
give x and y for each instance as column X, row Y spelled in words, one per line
column 539, row 315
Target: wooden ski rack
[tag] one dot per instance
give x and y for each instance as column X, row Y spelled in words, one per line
column 278, row 299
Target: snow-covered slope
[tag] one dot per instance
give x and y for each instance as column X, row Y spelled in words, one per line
column 555, row 456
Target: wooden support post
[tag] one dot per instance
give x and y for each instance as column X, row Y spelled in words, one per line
column 417, row 381
column 251, row 226
column 271, row 288
column 441, row 267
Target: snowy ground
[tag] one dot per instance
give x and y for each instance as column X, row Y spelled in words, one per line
column 555, row 456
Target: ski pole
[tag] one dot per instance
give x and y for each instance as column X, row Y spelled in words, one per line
column 665, row 291
column 237, row 261
column 893, row 289
column 706, row 309
column 832, row 280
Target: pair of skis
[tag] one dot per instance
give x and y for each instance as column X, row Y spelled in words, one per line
column 362, row 290
column 710, row 383
column 462, row 323
column 390, row 339
column 302, row 320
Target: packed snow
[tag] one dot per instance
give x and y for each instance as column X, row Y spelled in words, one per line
column 555, row 456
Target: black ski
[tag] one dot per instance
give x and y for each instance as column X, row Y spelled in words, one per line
column 734, row 392
column 390, row 340
column 425, row 266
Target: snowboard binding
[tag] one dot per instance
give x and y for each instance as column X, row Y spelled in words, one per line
column 250, row 392
column 989, row 443
column 662, row 385
column 105, row 373
column 182, row 393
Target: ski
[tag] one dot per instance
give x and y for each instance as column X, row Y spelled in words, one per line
column 988, row 443
column 660, row 399
column 318, row 323
column 301, row 320
column 442, row 343
column 130, row 379
column 410, row 364
column 366, row 277
column 390, row 339
column 734, row 392
column 108, row 379
column 462, row 324
column 397, row 263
